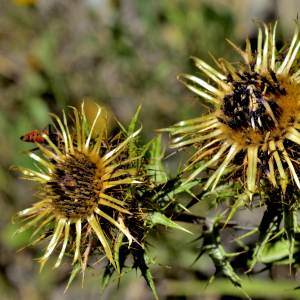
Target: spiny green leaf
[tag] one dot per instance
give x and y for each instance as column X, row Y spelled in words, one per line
column 146, row 147
column 274, row 252
column 269, row 225
column 85, row 124
column 225, row 190
column 116, row 251
column 147, row 275
column 212, row 246
column 186, row 186
column 76, row 269
column 144, row 151
column 247, row 234
column 133, row 121
column 109, row 270
column 131, row 128
column 290, row 227
column 241, row 201
column 142, row 261
column 173, row 187
column 158, row 218
column 156, row 156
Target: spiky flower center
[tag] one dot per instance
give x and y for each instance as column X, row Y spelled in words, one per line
column 260, row 106
column 75, row 185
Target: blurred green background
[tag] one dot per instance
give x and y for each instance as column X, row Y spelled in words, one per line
column 116, row 53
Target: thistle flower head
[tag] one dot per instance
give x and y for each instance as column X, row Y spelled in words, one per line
column 84, row 185
column 256, row 120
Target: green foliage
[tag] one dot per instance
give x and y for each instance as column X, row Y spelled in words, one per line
column 213, row 247
column 156, row 218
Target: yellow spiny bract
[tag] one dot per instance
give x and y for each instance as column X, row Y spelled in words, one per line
column 83, row 185
column 257, row 112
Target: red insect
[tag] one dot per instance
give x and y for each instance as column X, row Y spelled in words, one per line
column 36, row 137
